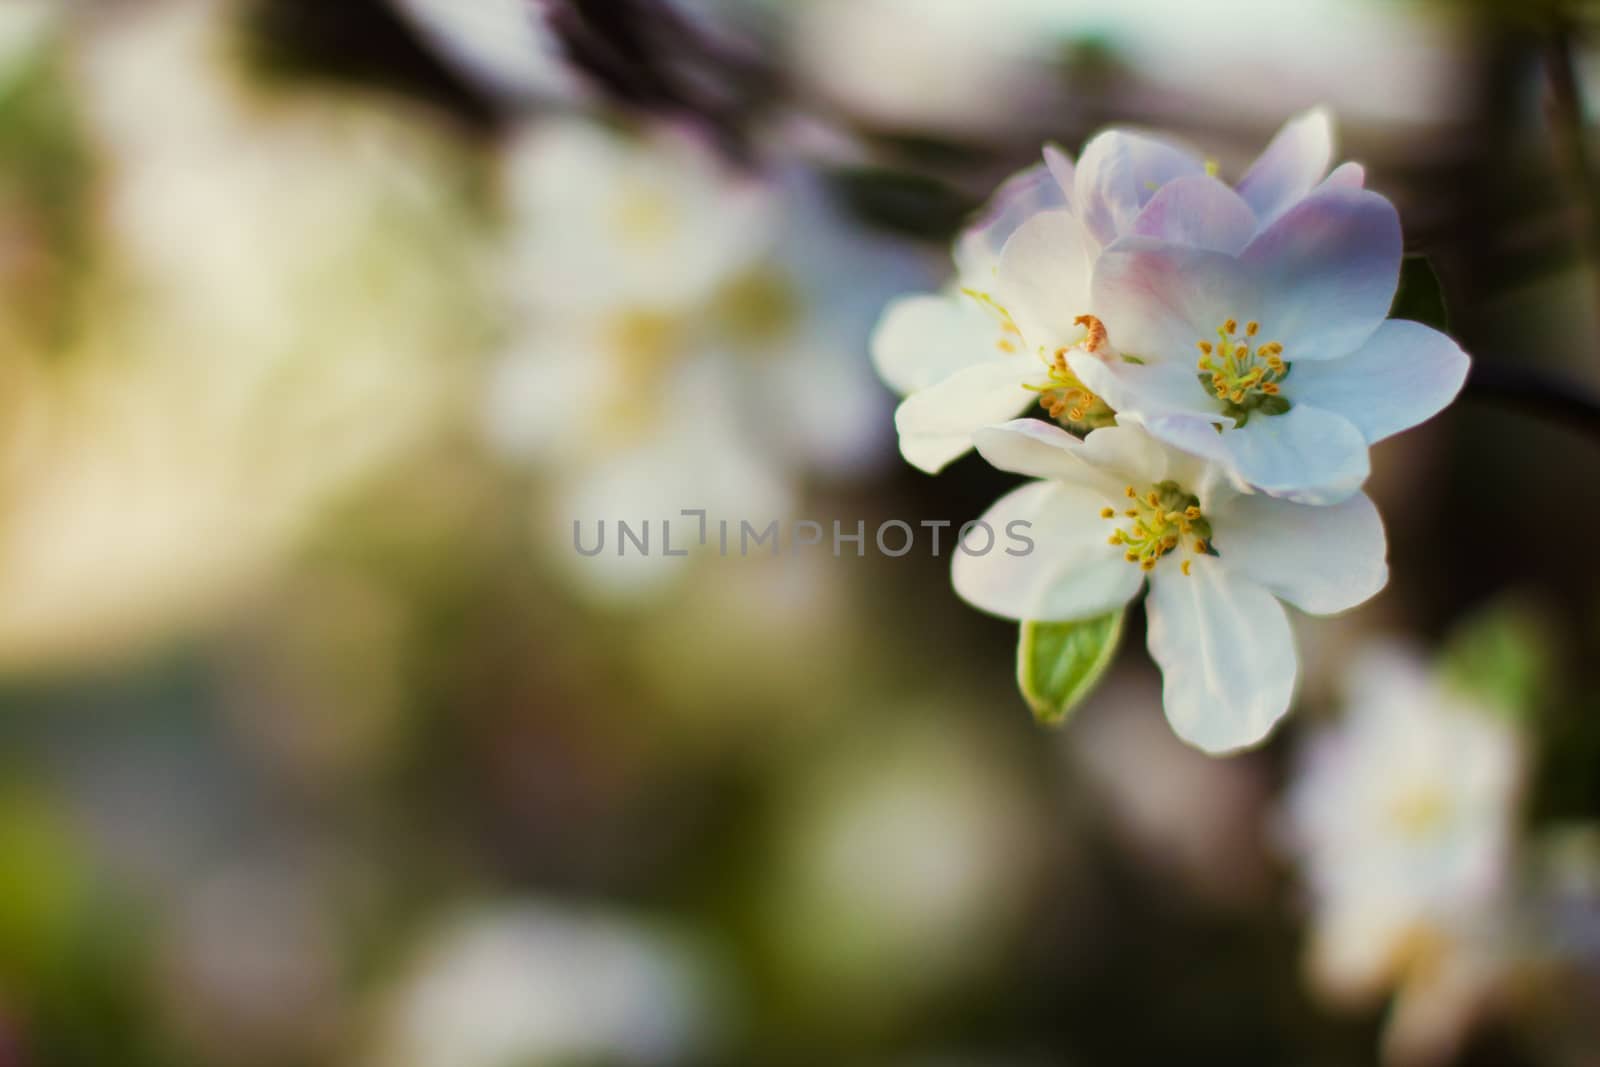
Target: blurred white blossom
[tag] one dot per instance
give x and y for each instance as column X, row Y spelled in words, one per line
column 537, row 984
column 506, row 47
column 1403, row 818
column 687, row 336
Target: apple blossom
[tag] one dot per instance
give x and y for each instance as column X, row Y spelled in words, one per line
column 1402, row 816
column 1024, row 271
column 1268, row 351
column 1119, row 508
column 685, row 335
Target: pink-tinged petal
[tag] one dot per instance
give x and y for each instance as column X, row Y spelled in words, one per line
column 1293, row 163
column 1305, row 454
column 1327, row 270
column 923, row 339
column 1320, row 559
column 1405, row 374
column 1226, row 655
column 1062, row 170
column 1069, row 573
column 1145, row 389
column 1118, row 173
column 1345, row 176
column 1158, row 301
column 1200, row 212
column 936, row 424
column 1043, row 278
column 1019, row 198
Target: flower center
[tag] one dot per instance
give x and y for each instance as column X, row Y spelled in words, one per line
column 1419, row 811
column 1062, row 394
column 1243, row 374
column 757, row 308
column 1162, row 519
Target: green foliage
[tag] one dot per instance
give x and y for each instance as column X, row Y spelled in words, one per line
column 1059, row 663
column 1502, row 657
column 1420, row 297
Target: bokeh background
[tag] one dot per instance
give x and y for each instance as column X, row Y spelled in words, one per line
column 320, row 746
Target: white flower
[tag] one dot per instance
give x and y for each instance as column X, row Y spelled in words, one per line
column 505, row 46
column 687, row 336
column 1268, row 351
column 1118, row 508
column 1402, row 816
column 539, row 984
column 999, row 340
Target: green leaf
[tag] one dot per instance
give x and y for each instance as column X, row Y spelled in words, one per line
column 1420, row 297
column 1502, row 656
column 1059, row 663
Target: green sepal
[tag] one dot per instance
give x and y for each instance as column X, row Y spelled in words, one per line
column 1060, row 663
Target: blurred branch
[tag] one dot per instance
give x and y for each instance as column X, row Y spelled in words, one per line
column 1571, row 138
column 1536, row 392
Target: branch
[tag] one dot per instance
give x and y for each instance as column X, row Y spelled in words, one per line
column 1536, row 392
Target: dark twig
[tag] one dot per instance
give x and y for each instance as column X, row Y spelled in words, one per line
column 1536, row 392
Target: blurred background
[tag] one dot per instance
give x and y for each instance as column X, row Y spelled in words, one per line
column 321, row 320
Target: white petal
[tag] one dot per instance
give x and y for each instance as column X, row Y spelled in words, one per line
column 540, row 400
column 1071, row 572
column 1305, row 454
column 1405, row 374
column 1320, row 559
column 1118, row 173
column 1036, row 449
column 936, row 424
column 1044, row 278
column 1291, row 166
column 1226, row 655
column 1200, row 212
column 1107, row 459
column 1145, row 389
column 1158, row 301
column 1019, row 198
column 1328, row 268
column 1127, row 452
column 923, row 339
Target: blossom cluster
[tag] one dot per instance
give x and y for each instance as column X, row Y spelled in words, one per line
column 1213, row 363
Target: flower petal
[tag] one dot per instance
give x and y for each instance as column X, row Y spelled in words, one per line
column 1320, row 559
column 1158, row 300
column 936, row 424
column 1062, row 170
column 1118, row 173
column 1226, row 654
column 1019, row 198
column 1293, row 163
column 923, row 339
column 1405, row 374
column 1145, row 389
column 1328, row 268
column 1305, row 454
column 1346, row 176
column 1106, row 460
column 1198, row 211
column 1043, row 278
column 1070, row 573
